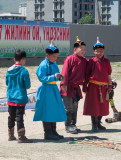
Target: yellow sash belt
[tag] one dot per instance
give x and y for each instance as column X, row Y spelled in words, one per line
column 100, row 92
column 53, row 82
column 97, row 82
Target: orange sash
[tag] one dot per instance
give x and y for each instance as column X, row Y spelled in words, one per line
column 53, row 82
column 97, row 82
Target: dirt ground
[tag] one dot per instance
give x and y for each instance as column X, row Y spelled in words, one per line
column 60, row 150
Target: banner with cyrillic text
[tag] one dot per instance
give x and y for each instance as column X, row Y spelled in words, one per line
column 33, row 37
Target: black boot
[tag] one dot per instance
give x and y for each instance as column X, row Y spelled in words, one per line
column 68, row 125
column 94, row 123
column 53, row 124
column 48, row 135
column 99, row 123
column 74, row 120
column 68, row 122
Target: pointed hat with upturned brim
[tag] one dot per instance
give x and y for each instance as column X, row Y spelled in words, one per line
column 52, row 48
column 78, row 42
column 98, row 44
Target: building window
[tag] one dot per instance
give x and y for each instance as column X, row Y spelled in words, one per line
column 108, row 10
column 55, row 5
column 75, row 5
column 36, row 8
column 61, row 20
column 80, row 15
column 108, row 17
column 75, row 13
column 108, row 3
column 61, row 5
column 80, row 7
column 92, row 7
column 120, row 10
column 36, row 1
column 41, row 8
column 103, row 10
column 55, row 14
column 40, row 1
column 85, row 6
column 103, row 17
column 120, row 2
column 75, row 21
column 103, row 3
column 36, row 16
column 61, row 14
column 41, row 15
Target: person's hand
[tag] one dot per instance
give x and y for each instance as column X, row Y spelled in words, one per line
column 64, row 88
column 62, row 78
column 57, row 75
column 84, row 88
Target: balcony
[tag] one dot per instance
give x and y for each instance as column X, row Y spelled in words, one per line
column 36, row 4
column 58, row 9
column 58, row 1
column 38, row 11
column 106, row 14
column 38, row 19
column 88, row 11
column 58, row 18
column 86, row 2
column 105, row 6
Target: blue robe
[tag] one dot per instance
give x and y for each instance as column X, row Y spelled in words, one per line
column 49, row 105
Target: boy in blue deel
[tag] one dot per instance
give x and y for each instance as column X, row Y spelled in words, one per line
column 18, row 81
column 49, row 106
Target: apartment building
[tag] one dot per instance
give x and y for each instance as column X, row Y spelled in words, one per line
column 59, row 10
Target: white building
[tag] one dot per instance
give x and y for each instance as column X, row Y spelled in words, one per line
column 59, row 10
column 30, row 12
column 108, row 12
column 16, row 16
column 22, row 8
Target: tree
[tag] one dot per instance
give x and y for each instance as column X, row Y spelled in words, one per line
column 119, row 23
column 87, row 19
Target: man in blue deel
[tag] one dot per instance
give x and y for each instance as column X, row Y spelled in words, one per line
column 49, row 106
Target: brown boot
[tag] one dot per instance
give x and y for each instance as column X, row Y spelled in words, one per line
column 21, row 136
column 11, row 136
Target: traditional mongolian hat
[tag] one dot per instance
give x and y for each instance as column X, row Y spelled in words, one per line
column 78, row 42
column 51, row 49
column 98, row 44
